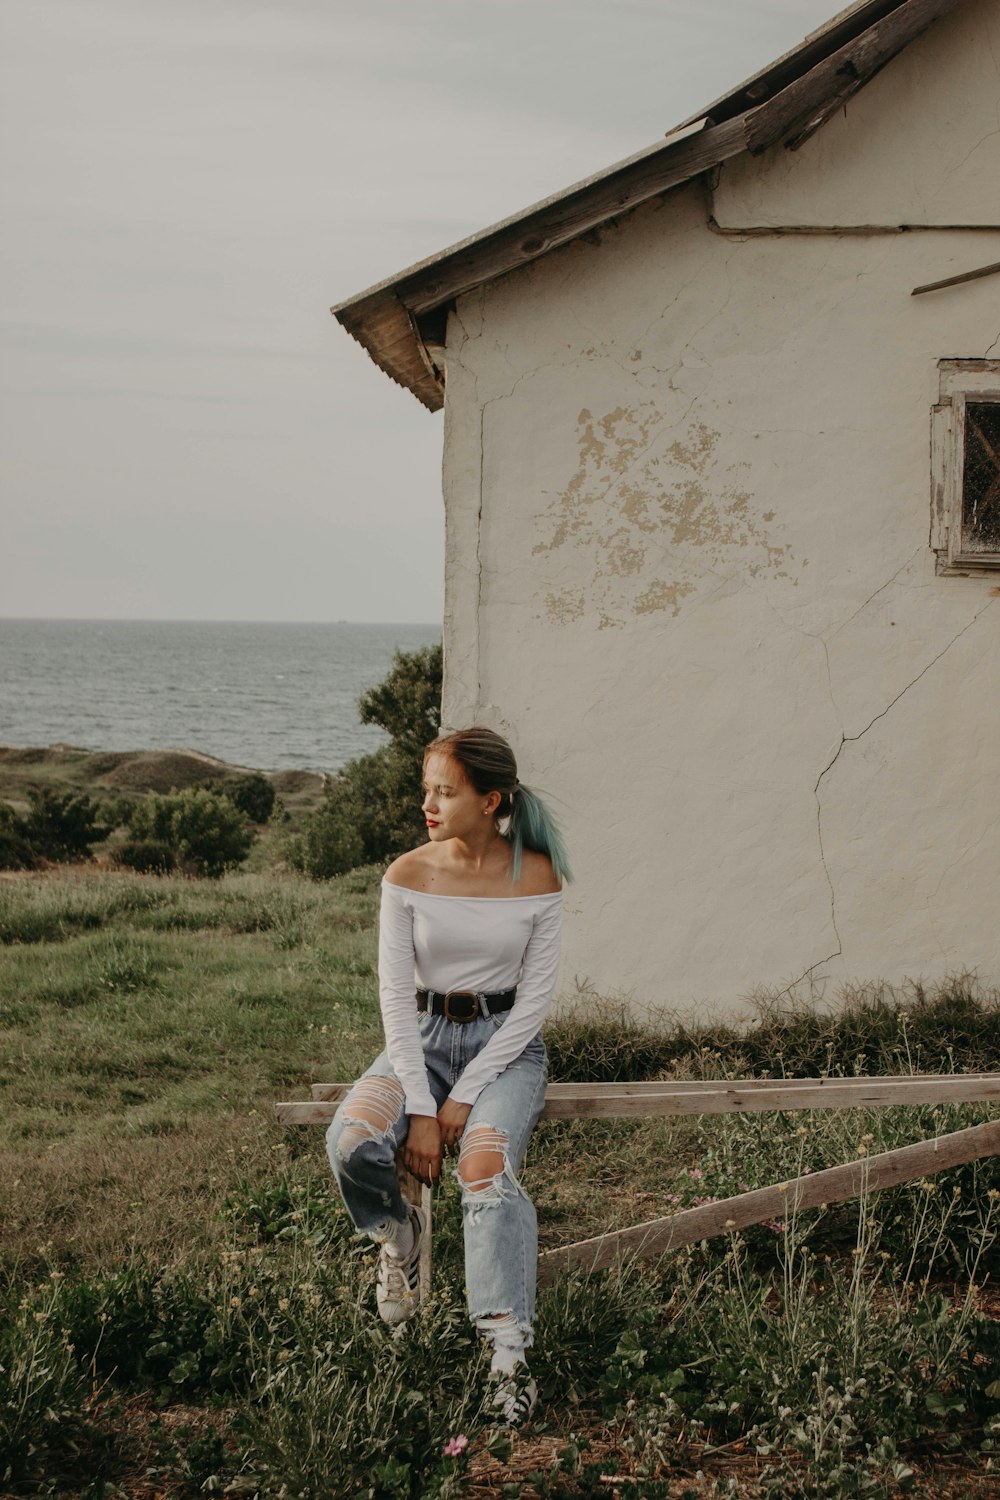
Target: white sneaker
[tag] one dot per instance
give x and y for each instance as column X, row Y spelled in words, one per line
column 515, row 1398
column 397, row 1293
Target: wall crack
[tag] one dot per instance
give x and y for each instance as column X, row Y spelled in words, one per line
column 851, row 739
column 901, row 569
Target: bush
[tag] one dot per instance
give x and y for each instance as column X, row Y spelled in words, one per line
column 371, row 812
column 329, row 844
column 15, row 851
column 204, row 831
column 407, row 704
column 146, row 856
column 253, row 794
column 62, row 825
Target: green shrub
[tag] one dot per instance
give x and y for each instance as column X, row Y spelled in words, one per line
column 205, row 831
column 407, row 703
column 15, row 851
column 146, row 856
column 62, row 825
column 41, row 1387
column 371, row 811
column 253, row 794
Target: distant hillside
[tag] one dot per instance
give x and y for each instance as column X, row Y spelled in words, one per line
column 116, row 775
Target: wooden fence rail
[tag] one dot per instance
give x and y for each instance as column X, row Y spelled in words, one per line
column 731, row 1096
column 709, row 1097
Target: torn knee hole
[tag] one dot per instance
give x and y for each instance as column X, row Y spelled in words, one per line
column 370, row 1111
column 483, row 1157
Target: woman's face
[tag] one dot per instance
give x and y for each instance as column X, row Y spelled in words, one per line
column 452, row 807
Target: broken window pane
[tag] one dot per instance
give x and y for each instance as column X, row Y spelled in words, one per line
column 981, row 478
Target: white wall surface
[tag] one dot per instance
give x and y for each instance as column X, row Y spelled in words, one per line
column 688, row 497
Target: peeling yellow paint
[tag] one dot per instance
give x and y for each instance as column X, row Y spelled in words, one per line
column 646, row 516
column 564, row 607
column 661, row 596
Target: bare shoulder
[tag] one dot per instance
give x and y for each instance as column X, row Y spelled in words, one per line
column 537, row 875
column 410, row 869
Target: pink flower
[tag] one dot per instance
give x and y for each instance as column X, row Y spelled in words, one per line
column 456, row 1446
column 697, row 1173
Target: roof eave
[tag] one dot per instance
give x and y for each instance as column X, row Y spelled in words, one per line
column 811, row 83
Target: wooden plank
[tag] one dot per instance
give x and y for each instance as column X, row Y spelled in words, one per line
column 853, row 1094
column 388, row 332
column 305, row 1111
column 336, row 1091
column 835, row 1185
column 842, row 72
column 414, row 1191
column 689, row 1097
column 937, row 286
column 840, row 29
column 550, row 223
column 694, row 1085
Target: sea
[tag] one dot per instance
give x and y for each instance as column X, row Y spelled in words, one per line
column 272, row 696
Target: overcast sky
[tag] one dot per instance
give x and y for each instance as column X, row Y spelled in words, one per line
column 187, row 186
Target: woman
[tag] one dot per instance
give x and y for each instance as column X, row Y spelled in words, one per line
column 468, row 954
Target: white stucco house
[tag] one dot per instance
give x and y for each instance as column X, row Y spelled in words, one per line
column 722, row 489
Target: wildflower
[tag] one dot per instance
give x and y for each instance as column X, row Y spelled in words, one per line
column 696, row 1174
column 730, row 1224
column 235, row 1302
column 802, row 1130
column 744, row 1187
column 456, row 1446
column 282, row 1304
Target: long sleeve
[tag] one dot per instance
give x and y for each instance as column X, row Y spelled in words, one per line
column 535, row 990
column 397, row 997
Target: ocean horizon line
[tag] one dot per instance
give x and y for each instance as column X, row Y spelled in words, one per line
column 191, row 620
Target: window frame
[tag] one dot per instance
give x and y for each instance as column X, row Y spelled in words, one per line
column 961, row 381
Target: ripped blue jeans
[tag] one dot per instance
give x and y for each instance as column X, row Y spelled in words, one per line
column 501, row 1229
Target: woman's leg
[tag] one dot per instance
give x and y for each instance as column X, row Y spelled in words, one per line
column 501, row 1231
column 368, row 1129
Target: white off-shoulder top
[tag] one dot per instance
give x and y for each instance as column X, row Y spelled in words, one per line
column 487, row 943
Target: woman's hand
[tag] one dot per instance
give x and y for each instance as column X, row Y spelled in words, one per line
column 451, row 1118
column 423, row 1151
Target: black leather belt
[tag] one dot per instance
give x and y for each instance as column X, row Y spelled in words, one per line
column 464, row 1005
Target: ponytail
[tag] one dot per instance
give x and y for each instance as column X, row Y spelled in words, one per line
column 532, row 826
column 488, row 761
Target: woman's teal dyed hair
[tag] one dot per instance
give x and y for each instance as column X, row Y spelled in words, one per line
column 489, row 765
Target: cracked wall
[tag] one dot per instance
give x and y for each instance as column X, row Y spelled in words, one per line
column 688, row 498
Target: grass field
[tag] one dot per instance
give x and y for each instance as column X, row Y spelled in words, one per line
column 185, row 1311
